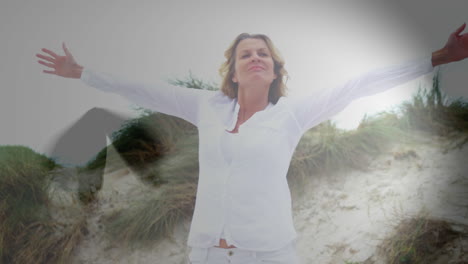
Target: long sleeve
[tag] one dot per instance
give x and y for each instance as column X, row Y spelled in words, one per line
column 159, row 96
column 314, row 109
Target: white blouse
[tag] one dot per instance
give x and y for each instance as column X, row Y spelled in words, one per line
column 243, row 194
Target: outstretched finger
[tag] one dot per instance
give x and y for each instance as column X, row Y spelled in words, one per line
column 65, row 49
column 51, row 72
column 45, row 57
column 51, row 53
column 50, row 65
column 460, row 29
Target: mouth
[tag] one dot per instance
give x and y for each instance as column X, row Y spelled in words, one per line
column 256, row 68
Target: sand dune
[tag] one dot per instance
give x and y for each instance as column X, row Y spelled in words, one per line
column 340, row 218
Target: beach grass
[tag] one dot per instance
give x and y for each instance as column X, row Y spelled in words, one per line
column 17, row 155
column 141, row 143
column 28, row 232
column 431, row 110
column 169, row 201
column 421, row 240
column 326, row 149
column 152, row 219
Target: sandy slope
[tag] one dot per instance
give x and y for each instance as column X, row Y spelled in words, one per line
column 345, row 218
column 341, row 217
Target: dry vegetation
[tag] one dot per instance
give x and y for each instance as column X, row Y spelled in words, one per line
column 28, row 232
column 423, row 240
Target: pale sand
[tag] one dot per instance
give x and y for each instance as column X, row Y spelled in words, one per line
column 345, row 219
column 340, row 218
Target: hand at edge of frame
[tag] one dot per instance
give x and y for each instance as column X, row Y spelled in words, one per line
column 64, row 66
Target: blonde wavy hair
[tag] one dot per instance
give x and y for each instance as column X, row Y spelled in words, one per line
column 278, row 86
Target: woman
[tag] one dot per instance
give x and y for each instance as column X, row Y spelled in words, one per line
column 248, row 132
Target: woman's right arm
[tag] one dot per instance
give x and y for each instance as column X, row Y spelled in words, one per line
column 160, row 97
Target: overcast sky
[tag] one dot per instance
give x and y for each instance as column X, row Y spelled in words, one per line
column 323, row 45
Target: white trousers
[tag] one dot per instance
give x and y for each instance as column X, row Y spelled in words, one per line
column 215, row 255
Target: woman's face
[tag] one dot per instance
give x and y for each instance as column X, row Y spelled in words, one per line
column 253, row 62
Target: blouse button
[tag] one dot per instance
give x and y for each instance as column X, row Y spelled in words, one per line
column 231, row 253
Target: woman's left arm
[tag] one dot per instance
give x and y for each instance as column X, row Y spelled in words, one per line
column 455, row 49
column 315, row 108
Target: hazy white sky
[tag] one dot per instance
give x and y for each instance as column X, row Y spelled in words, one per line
column 323, row 45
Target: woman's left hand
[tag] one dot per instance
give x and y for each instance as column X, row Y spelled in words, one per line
column 457, row 45
column 455, row 49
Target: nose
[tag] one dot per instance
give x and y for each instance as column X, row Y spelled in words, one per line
column 255, row 57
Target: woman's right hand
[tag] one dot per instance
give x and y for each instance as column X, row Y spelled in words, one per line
column 64, row 66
